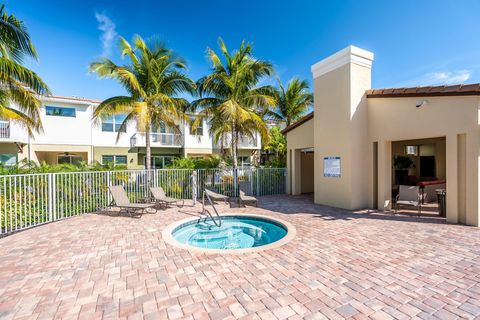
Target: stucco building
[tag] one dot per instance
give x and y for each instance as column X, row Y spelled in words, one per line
column 69, row 135
column 346, row 149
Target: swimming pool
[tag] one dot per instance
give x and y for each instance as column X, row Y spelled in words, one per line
column 236, row 232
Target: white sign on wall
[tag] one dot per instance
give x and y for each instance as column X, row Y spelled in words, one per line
column 331, row 167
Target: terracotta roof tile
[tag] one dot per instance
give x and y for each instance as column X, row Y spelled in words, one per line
column 452, row 90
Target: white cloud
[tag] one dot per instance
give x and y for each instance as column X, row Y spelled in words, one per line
column 440, row 78
column 454, row 77
column 107, row 26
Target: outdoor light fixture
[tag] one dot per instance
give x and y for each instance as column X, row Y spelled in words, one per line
column 421, row 103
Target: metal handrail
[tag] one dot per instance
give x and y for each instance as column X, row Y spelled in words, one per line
column 214, row 209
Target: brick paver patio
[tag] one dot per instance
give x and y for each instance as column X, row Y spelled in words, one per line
column 340, row 265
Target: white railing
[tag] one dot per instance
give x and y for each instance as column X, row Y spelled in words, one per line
column 247, row 142
column 4, row 129
column 157, row 139
column 244, row 142
column 29, row 200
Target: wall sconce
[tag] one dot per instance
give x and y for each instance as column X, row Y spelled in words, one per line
column 421, row 103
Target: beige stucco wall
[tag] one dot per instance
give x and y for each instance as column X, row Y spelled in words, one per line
column 9, row 148
column 393, row 119
column 49, row 152
column 297, row 139
column 340, row 131
column 192, row 152
column 132, row 157
column 307, row 172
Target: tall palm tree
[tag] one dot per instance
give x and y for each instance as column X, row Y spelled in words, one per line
column 153, row 79
column 18, row 85
column 230, row 97
column 293, row 101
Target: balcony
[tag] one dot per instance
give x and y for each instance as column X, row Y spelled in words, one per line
column 248, row 143
column 172, row 140
column 10, row 132
column 244, row 142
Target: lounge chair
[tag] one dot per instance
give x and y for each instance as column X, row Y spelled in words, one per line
column 216, row 196
column 409, row 196
column 160, row 197
column 121, row 201
column 246, row 194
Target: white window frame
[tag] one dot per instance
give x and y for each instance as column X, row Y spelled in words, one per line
column 114, row 123
column 242, row 163
column 114, row 162
column 200, row 128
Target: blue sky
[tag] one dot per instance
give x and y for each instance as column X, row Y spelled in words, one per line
column 415, row 42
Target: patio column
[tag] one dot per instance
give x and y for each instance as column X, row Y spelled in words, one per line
column 452, row 177
column 296, row 175
column 340, row 129
column 384, row 175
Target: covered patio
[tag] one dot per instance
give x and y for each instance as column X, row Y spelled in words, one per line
column 341, row 264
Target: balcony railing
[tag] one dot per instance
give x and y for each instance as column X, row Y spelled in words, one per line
column 244, row 142
column 157, row 140
column 4, row 129
column 247, row 142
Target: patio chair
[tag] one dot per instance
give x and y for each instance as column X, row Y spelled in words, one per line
column 409, row 196
column 121, row 201
column 246, row 194
column 160, row 197
column 216, row 196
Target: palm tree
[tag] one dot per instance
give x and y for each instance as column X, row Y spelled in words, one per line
column 18, row 85
column 153, row 79
column 294, row 101
column 230, row 97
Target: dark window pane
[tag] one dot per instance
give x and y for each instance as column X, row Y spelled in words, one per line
column 107, row 126
column 60, row 111
column 63, row 159
column 8, row 159
column 120, row 159
column 107, row 159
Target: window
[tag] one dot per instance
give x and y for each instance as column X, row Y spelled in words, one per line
column 112, row 124
column 8, row 159
column 60, row 111
column 70, row 159
column 198, row 131
column 244, row 161
column 411, row 150
column 161, row 162
column 116, row 160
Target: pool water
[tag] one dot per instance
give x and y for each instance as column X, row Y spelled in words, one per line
column 236, row 232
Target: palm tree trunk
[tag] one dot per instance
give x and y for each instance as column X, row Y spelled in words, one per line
column 148, row 155
column 234, row 156
column 222, row 147
column 234, row 147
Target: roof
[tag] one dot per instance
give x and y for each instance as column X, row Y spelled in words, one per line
column 72, row 99
column 298, row 123
column 428, row 91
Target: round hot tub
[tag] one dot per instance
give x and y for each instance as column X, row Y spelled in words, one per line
column 236, row 233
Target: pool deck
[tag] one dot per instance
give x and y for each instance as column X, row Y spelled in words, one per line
column 339, row 265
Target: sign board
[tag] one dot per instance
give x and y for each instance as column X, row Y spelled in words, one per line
column 331, row 167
